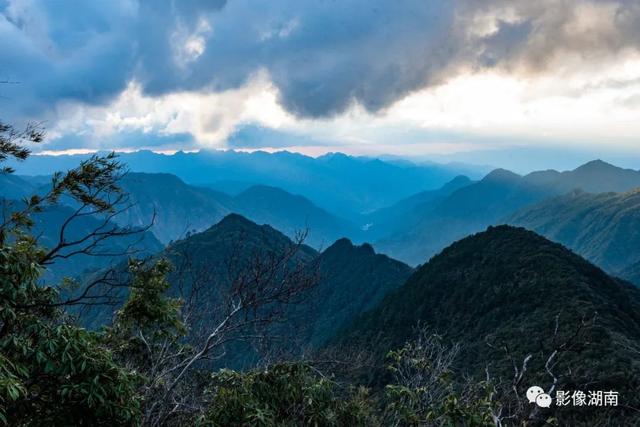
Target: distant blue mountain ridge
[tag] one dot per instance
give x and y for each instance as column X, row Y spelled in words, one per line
column 344, row 185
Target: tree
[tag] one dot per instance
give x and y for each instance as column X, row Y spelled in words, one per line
column 51, row 371
column 172, row 342
column 425, row 390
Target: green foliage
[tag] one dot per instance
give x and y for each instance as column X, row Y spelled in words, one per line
column 425, row 390
column 148, row 309
column 51, row 371
column 287, row 394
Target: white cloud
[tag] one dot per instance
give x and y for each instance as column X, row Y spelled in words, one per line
column 589, row 107
column 209, row 117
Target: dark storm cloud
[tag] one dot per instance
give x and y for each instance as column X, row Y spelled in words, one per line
column 322, row 55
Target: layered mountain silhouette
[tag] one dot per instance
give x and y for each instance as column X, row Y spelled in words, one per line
column 511, row 288
column 344, row 185
column 292, row 214
column 351, row 279
column 491, row 201
column 13, row 187
column 411, row 210
column 604, row 228
column 178, row 209
column 173, row 207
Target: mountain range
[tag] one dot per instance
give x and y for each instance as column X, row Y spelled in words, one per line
column 175, row 209
column 104, row 253
column 604, row 228
column 412, row 229
column 491, row 201
column 344, row 185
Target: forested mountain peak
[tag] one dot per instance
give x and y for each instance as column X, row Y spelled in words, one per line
column 510, row 285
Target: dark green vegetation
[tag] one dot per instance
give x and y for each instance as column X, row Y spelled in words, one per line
column 353, row 279
column 52, row 372
column 604, row 228
column 287, row 395
column 350, row 280
column 507, row 293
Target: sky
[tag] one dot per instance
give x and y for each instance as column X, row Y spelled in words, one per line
column 520, row 83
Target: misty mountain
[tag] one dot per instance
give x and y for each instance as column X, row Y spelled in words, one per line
column 593, row 177
column 107, row 253
column 13, row 187
column 463, row 212
column 341, row 184
column 509, row 286
column 47, row 225
column 491, row 200
column 178, row 208
column 292, row 214
column 604, row 228
column 409, row 210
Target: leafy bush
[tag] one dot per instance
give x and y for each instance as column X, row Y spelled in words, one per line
column 288, row 394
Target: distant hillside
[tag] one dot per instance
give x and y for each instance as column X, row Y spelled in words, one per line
column 604, row 228
column 292, row 214
column 391, row 219
column 14, row 187
column 510, row 287
column 463, row 212
column 489, row 201
column 179, row 208
column 593, row 177
column 341, row 184
column 47, row 227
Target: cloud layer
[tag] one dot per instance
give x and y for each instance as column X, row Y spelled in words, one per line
column 318, row 58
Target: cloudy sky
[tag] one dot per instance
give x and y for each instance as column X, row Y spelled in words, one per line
column 459, row 79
